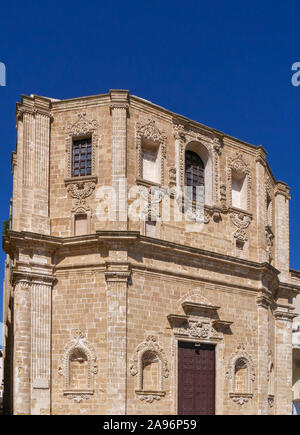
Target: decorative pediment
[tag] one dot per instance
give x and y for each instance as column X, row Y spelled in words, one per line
column 195, row 307
column 200, row 319
column 239, row 164
column 150, row 131
column 82, row 126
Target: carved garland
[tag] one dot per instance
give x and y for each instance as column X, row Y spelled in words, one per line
column 239, row 165
column 80, row 190
column 82, row 127
column 79, row 343
column 198, row 329
column 241, row 221
column 241, row 356
column 150, row 131
column 136, row 368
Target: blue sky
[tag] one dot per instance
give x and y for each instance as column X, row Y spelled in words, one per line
column 224, row 64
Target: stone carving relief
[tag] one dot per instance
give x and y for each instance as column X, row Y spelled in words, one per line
column 149, row 131
column 197, row 329
column 242, row 222
column 223, row 197
column 241, row 360
column 149, row 352
column 78, row 347
column 172, row 176
column 80, row 190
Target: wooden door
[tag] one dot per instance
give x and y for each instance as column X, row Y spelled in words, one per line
column 196, row 379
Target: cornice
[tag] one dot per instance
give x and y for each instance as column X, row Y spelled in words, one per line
column 282, row 188
column 13, row 240
column 33, row 105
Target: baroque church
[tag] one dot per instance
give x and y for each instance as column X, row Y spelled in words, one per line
column 114, row 306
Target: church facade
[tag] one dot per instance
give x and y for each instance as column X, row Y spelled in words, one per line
column 124, row 292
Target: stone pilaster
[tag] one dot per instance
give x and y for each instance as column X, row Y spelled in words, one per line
column 22, row 348
column 263, row 303
column 40, row 347
column 283, row 360
column 31, row 185
column 282, row 247
column 119, row 108
column 260, row 203
column 178, row 130
column 117, row 277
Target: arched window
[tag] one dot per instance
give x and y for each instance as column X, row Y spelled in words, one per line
column 194, row 172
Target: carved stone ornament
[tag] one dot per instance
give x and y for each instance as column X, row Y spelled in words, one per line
column 78, row 344
column 218, row 145
column 78, row 397
column 82, row 126
column 240, row 235
column 241, row 221
column 149, row 398
column 223, row 198
column 149, row 347
column 80, row 190
column 269, row 236
column 240, row 359
column 172, row 176
column 197, row 329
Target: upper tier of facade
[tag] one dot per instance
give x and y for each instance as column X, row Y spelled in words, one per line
column 70, row 151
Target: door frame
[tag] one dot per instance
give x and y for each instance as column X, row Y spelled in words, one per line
column 219, row 371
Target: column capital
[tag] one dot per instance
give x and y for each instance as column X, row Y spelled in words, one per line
column 34, row 105
column 285, row 313
column 119, row 99
column 117, row 272
column 29, row 278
